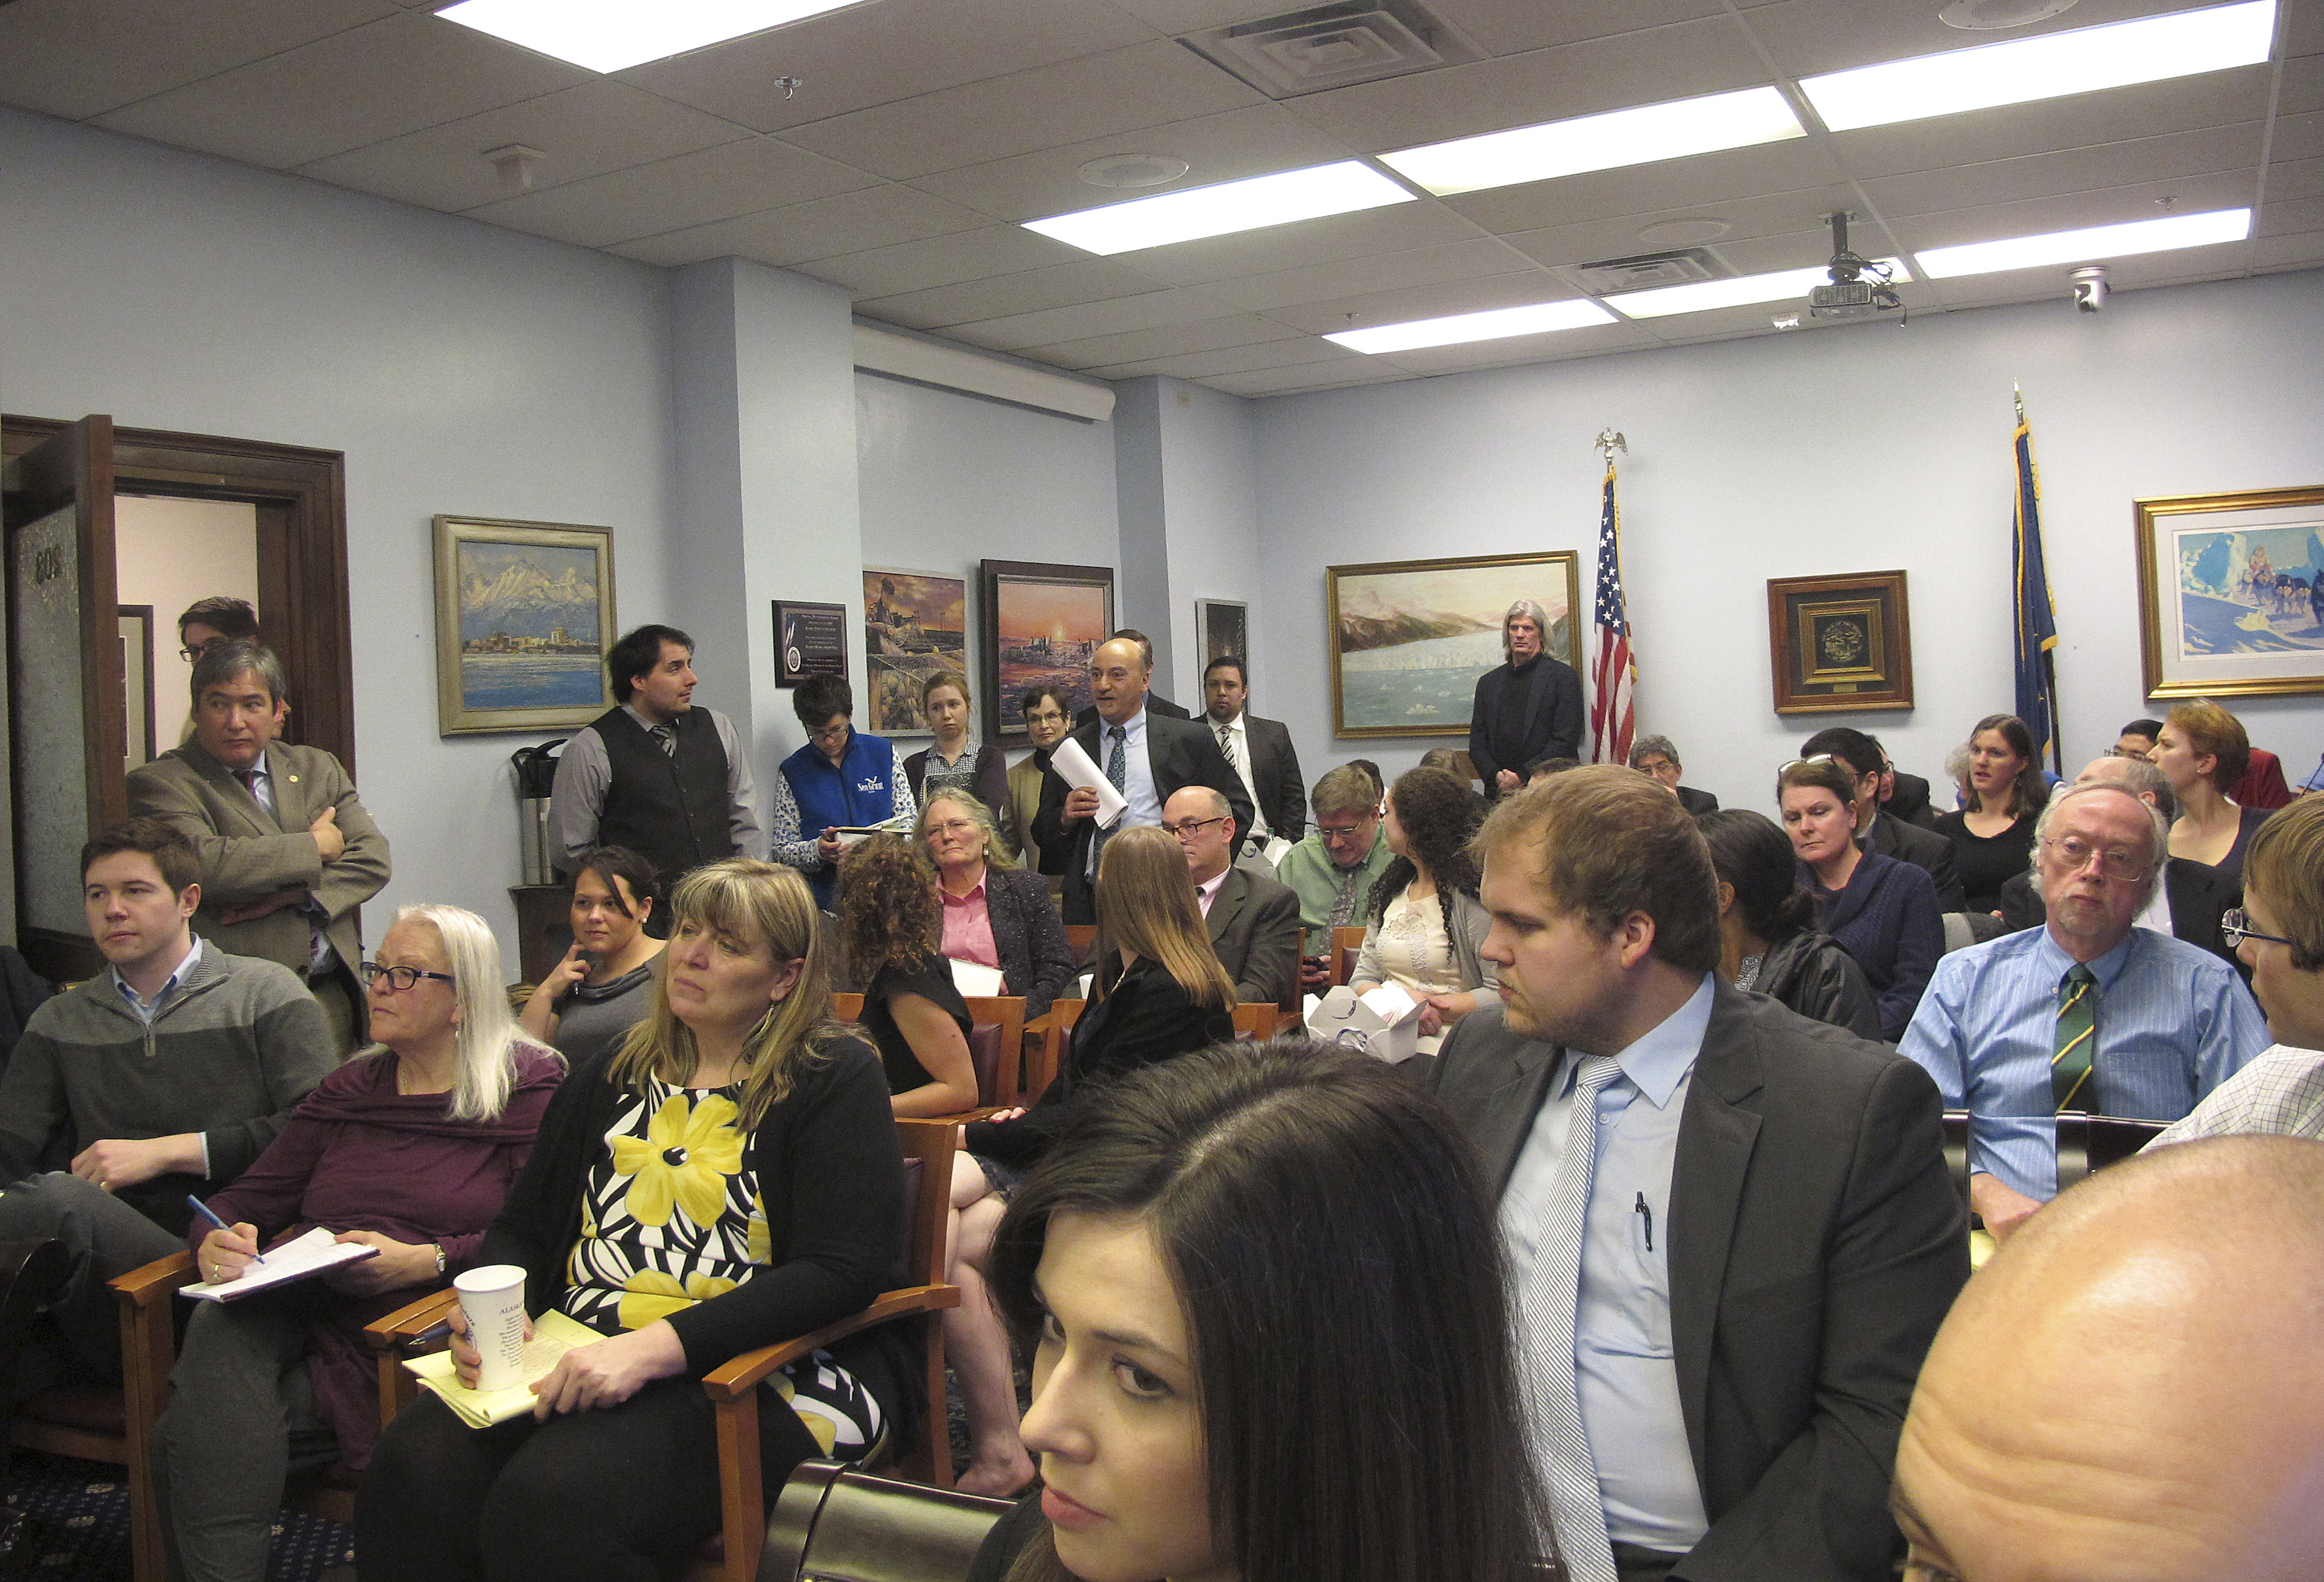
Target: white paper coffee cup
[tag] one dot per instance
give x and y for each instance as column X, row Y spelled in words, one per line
column 492, row 1298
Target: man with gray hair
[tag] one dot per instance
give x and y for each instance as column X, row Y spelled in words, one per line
column 2088, row 1013
column 1527, row 708
column 287, row 853
column 1658, row 759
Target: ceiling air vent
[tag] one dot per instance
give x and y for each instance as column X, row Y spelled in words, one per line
column 1681, row 267
column 1332, row 46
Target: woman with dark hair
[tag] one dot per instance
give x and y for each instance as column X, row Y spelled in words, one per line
column 1047, row 717
column 995, row 914
column 889, row 913
column 591, row 999
column 1767, row 942
column 728, row 1179
column 1881, row 911
column 948, row 764
column 2202, row 752
column 842, row 779
column 1219, row 1395
column 2002, row 793
column 1425, row 924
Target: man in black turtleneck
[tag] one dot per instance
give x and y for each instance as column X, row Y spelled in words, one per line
column 1526, row 709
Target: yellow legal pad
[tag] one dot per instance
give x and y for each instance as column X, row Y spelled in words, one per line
column 553, row 1335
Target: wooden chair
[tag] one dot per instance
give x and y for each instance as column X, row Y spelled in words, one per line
column 1347, row 944
column 733, row 1388
column 831, row 1521
column 1256, row 1022
column 847, row 1008
column 996, row 1041
column 1046, row 1037
column 1083, row 937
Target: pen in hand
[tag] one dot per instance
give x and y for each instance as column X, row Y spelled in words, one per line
column 204, row 1210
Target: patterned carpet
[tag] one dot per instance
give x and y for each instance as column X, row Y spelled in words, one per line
column 69, row 1521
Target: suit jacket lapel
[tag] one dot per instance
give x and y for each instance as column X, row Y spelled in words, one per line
column 1226, row 904
column 290, row 792
column 1499, row 1129
column 1716, row 1134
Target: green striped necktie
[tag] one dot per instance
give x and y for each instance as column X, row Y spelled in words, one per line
column 2071, row 1070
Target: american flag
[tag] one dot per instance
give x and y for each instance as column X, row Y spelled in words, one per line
column 1612, row 672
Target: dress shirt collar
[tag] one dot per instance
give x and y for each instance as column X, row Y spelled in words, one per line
column 1658, row 1061
column 2105, row 968
column 146, row 1009
column 1133, row 731
column 973, row 895
column 1208, row 890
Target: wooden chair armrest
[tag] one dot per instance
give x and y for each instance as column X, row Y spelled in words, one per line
column 740, row 1376
column 156, row 1281
column 984, row 1113
column 1040, row 1023
column 386, row 1334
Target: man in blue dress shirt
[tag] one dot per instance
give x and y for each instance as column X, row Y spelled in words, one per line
column 1729, row 1229
column 2085, row 1013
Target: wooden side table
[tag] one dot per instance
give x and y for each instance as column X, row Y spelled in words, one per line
column 544, row 930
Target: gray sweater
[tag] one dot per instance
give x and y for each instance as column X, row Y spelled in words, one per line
column 232, row 1049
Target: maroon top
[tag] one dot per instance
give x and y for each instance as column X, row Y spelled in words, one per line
column 358, row 1155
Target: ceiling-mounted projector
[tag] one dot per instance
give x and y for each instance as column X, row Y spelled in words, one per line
column 1860, row 287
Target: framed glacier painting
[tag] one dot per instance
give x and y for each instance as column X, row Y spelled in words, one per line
column 524, row 613
column 2231, row 592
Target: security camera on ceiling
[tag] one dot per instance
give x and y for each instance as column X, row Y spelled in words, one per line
column 1860, row 287
column 2089, row 287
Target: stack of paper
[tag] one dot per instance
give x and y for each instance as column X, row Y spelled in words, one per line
column 553, row 1335
column 975, row 980
column 309, row 1255
column 1076, row 769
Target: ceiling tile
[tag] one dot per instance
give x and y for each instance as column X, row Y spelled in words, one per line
column 1254, row 141
column 326, row 97
column 1145, row 84
column 1777, row 215
column 1240, row 329
column 2298, row 137
column 588, row 131
column 2305, row 250
column 2291, row 218
column 1353, row 277
column 2072, row 211
column 1810, row 36
column 2302, row 87
column 941, row 261
column 1429, row 301
column 825, row 227
column 872, row 55
column 1292, row 380
column 1304, row 352
column 1187, row 16
column 2182, row 154
column 1027, row 290
column 148, row 47
column 1396, row 228
column 1666, row 184
column 755, row 174
column 2289, row 179
column 2222, row 99
column 1646, row 68
column 2306, row 34
column 1148, row 311
column 1505, row 27
column 1570, row 343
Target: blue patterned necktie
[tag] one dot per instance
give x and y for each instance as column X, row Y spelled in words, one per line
column 1116, row 769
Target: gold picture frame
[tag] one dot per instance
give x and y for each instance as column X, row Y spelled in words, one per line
column 1385, row 614
column 2228, row 618
column 524, row 613
column 1839, row 643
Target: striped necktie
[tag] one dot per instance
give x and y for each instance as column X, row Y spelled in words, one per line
column 1116, row 769
column 1552, row 1292
column 2072, row 1069
column 665, row 735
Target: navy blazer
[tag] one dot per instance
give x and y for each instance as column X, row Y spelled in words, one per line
column 1037, row 960
column 1887, row 918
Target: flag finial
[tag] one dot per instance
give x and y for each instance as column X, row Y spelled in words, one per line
column 1608, row 442
column 2018, row 396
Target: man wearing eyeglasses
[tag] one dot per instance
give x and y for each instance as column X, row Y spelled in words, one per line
column 1253, row 921
column 2089, row 1013
column 1333, row 869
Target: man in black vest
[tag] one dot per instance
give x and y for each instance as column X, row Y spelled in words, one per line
column 657, row 775
column 1527, row 709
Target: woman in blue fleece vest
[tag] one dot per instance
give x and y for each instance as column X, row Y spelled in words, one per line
column 841, row 779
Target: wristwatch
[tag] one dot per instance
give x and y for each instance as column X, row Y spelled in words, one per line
column 438, row 1247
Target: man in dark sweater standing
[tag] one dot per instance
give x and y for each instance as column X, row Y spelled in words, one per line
column 1526, row 709
column 164, row 1076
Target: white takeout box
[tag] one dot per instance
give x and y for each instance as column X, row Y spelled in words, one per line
column 1383, row 1021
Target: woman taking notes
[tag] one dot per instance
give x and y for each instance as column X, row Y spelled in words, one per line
column 604, row 984
column 728, row 1177
column 410, row 1148
column 1881, row 911
column 1218, row 1393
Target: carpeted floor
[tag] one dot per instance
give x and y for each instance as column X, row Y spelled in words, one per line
column 69, row 1521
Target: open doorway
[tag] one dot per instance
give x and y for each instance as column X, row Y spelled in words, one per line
column 168, row 552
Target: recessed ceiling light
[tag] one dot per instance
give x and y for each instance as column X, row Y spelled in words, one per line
column 1492, row 324
column 2151, row 49
column 1979, row 258
column 1247, row 205
column 606, row 35
column 1599, row 142
column 1703, row 296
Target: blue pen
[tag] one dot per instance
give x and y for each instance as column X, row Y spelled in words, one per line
column 204, row 1210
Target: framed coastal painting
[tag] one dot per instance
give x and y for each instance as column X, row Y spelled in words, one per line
column 1042, row 622
column 2231, row 592
column 524, row 613
column 1410, row 639
column 1839, row 643
column 915, row 623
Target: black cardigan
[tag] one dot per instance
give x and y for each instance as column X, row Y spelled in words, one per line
column 830, row 1172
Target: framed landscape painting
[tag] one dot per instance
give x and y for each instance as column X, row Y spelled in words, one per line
column 1410, row 639
column 523, row 615
column 2231, row 592
column 915, row 623
column 1042, row 622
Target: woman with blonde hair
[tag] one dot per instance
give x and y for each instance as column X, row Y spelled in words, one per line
column 995, row 914
column 948, row 764
column 409, row 1148
column 2202, row 751
column 889, row 913
column 727, row 1178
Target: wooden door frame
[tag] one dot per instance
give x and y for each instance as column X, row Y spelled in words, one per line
column 301, row 496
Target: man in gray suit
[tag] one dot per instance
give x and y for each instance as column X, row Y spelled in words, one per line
column 1253, row 921
column 287, row 853
column 1731, row 1235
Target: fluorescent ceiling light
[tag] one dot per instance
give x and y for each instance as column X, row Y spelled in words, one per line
column 1599, row 143
column 1981, row 258
column 1701, row 296
column 2150, row 49
column 1248, row 205
column 1492, row 324
column 606, row 35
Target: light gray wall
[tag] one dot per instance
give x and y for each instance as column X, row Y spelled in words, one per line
column 1840, row 450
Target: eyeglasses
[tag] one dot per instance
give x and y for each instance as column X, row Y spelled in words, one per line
column 2113, row 861
column 1822, row 758
column 1341, row 831
column 399, row 978
column 1187, row 828
column 832, row 731
column 2235, row 928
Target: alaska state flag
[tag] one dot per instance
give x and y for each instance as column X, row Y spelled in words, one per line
column 2037, row 617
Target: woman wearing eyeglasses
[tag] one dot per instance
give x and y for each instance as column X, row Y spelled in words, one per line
column 409, row 1148
column 842, row 779
column 1882, row 911
column 995, row 914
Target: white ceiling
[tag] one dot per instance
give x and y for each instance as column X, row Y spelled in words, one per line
column 925, row 129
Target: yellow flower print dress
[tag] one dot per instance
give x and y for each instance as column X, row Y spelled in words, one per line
column 672, row 1216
